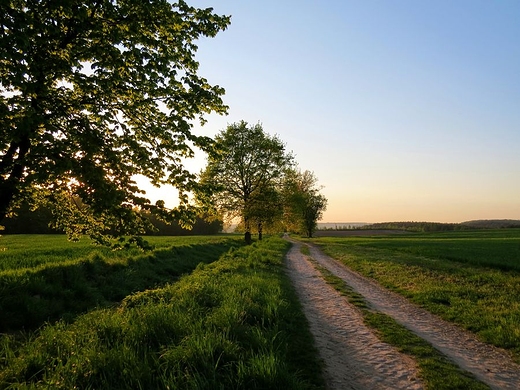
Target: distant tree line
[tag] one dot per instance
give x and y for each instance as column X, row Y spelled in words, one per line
column 411, row 226
column 40, row 221
column 201, row 226
column 445, row 227
column 340, row 227
column 493, row 223
column 30, row 222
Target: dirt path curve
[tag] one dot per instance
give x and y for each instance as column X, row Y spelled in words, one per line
column 490, row 365
column 354, row 357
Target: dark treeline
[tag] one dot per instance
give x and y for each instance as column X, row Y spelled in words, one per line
column 493, row 223
column 39, row 222
column 419, row 226
column 445, row 227
column 29, row 222
column 200, row 227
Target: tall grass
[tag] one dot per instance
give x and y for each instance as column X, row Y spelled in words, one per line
column 478, row 288
column 61, row 289
column 231, row 324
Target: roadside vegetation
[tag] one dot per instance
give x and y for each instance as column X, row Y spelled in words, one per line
column 234, row 323
column 469, row 278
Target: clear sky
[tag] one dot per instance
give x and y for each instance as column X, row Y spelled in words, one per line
column 404, row 110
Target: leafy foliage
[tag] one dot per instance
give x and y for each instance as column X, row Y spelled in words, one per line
column 94, row 93
column 304, row 205
column 246, row 172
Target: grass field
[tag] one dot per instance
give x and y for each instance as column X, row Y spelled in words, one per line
column 232, row 323
column 469, row 278
column 32, row 250
column 47, row 278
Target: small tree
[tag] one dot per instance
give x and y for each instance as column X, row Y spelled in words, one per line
column 93, row 93
column 303, row 204
column 245, row 172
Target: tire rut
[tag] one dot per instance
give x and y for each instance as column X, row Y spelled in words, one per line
column 490, row 365
column 353, row 356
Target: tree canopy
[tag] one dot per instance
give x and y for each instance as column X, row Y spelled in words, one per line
column 93, row 93
column 303, row 203
column 245, row 173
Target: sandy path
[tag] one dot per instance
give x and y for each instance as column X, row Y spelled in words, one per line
column 489, row 364
column 354, row 357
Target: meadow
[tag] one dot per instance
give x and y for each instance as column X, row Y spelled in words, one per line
column 44, row 278
column 229, row 319
column 469, row 278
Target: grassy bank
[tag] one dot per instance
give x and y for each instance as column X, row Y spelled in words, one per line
column 232, row 324
column 472, row 279
column 50, row 278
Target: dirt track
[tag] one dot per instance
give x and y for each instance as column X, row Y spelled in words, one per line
column 354, row 357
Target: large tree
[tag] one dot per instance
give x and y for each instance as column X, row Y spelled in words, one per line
column 245, row 172
column 303, row 203
column 93, row 93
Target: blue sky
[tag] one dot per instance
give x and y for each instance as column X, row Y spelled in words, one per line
column 404, row 110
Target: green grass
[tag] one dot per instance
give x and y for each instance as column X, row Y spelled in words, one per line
column 90, row 276
column 498, row 249
column 304, row 249
column 32, row 250
column 436, row 371
column 471, row 279
column 233, row 324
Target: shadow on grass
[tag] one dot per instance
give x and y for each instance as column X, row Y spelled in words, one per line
column 29, row 298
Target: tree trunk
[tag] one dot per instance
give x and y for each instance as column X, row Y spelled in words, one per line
column 9, row 185
column 247, row 234
column 7, row 192
column 260, row 231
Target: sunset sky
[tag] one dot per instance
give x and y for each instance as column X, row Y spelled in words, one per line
column 404, row 110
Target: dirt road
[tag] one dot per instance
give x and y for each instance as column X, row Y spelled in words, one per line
column 354, row 357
